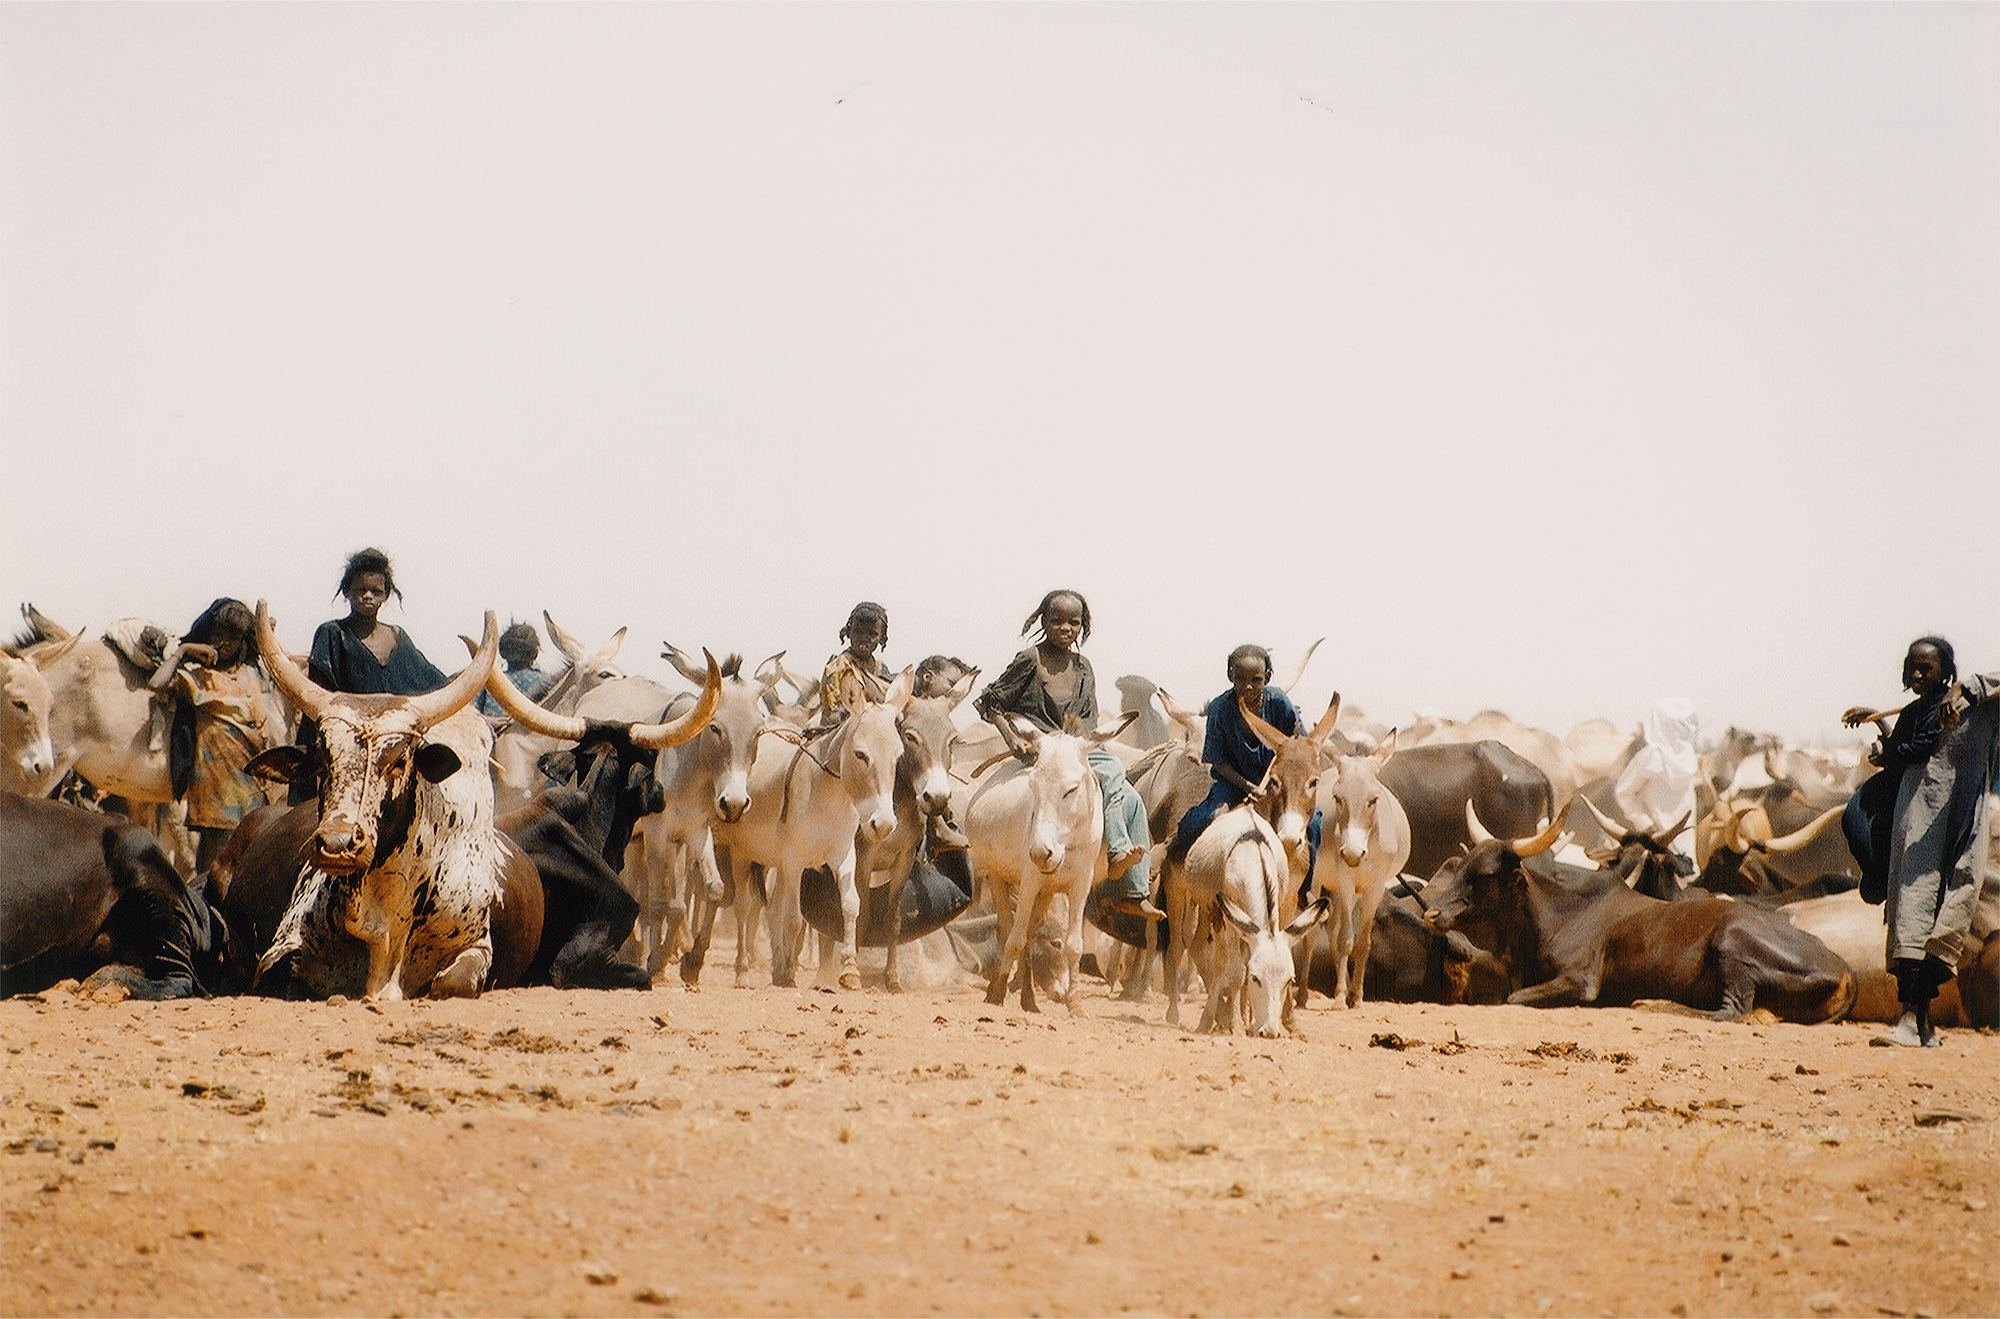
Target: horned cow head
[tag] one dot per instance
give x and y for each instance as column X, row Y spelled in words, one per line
column 373, row 751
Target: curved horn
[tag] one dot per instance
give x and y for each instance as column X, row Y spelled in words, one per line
column 1541, row 842
column 525, row 711
column 658, row 737
column 1797, row 839
column 1666, row 836
column 1475, row 826
column 1611, row 827
column 1299, row 670
column 434, row 707
column 286, row 675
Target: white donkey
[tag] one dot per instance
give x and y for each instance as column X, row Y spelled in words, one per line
column 1036, row 831
column 1236, row 877
column 27, row 753
column 703, row 784
column 807, row 804
column 1365, row 845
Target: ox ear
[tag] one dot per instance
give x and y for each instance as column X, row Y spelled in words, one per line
column 437, row 762
column 1302, row 923
column 282, row 764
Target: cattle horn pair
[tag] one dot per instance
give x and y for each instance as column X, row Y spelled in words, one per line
column 1521, row 847
column 1798, row 838
column 1613, row 829
column 569, row 728
column 429, row 709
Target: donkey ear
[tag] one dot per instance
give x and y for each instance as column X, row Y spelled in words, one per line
column 1097, row 737
column 1236, row 916
column 1266, row 734
column 1311, row 916
column 900, row 689
column 1324, row 729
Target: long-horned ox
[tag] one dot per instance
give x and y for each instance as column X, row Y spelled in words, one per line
column 405, row 865
column 1591, row 940
column 598, row 810
column 808, row 801
column 1037, row 831
column 517, row 751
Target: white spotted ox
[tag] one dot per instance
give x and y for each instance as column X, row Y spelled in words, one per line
column 1036, row 831
column 406, row 866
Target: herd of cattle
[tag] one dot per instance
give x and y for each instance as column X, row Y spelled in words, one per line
column 591, row 837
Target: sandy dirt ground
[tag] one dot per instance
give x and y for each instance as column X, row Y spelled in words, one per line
column 797, row 1152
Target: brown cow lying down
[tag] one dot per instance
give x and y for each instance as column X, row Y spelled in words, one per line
column 1591, row 940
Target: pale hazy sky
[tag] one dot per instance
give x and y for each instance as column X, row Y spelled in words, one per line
column 1553, row 358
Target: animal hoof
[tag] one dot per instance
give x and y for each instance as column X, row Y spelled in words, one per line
column 850, row 980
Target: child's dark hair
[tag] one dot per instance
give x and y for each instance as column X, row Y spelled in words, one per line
column 1947, row 662
column 225, row 612
column 368, row 560
column 868, row 612
column 519, row 644
column 1034, row 620
column 1250, row 650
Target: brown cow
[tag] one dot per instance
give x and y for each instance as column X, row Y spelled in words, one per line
column 1591, row 940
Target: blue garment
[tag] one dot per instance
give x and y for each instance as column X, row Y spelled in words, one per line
column 1231, row 743
column 530, row 682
